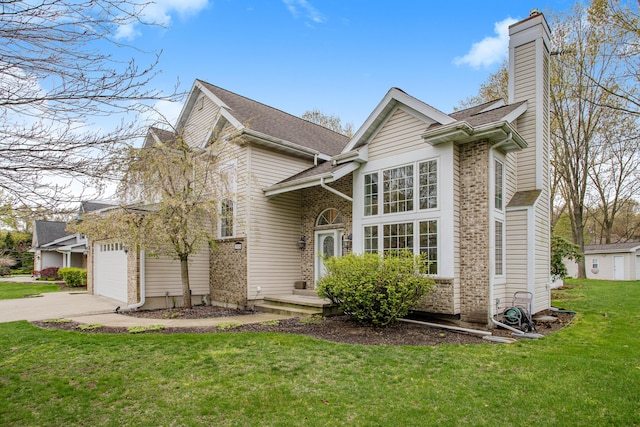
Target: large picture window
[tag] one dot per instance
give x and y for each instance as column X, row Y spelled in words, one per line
column 398, row 237
column 398, row 189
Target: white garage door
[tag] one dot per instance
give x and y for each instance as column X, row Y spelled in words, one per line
column 110, row 271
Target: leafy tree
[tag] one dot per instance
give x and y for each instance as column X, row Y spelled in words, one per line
column 177, row 190
column 329, row 121
column 562, row 249
column 56, row 78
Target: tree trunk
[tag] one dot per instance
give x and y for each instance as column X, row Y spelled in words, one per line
column 577, row 227
column 184, row 275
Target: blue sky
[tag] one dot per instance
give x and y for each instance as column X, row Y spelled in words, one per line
column 338, row 56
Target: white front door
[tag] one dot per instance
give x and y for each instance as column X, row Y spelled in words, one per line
column 328, row 244
column 618, row 268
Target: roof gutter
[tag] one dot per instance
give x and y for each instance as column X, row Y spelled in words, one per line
column 270, row 141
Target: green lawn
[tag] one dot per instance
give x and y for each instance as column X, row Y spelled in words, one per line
column 587, row 374
column 20, row 290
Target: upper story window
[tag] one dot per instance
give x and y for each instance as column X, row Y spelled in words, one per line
column 329, row 217
column 398, row 189
column 499, row 185
column 428, row 185
column 399, row 186
column 371, row 194
column 226, row 218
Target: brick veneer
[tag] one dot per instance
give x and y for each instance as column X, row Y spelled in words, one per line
column 474, row 229
column 314, row 201
column 439, row 299
column 228, row 273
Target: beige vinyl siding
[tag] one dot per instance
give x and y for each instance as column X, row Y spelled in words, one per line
column 542, row 252
column 456, row 231
column 511, row 171
column 525, row 90
column 162, row 275
column 400, row 134
column 200, row 122
column 517, row 252
column 274, row 225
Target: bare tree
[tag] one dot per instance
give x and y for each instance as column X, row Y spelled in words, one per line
column 615, row 171
column 57, row 78
column 329, row 121
column 621, row 20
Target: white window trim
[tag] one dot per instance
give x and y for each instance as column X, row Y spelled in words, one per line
column 497, row 215
column 416, row 189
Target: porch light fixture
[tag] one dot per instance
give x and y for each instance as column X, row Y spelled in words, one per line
column 302, row 243
column 346, row 241
column 237, row 246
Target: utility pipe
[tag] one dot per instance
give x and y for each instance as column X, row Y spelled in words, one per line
column 453, row 328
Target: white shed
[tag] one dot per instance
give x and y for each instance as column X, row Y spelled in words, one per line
column 615, row 261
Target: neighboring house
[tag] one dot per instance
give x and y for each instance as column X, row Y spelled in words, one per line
column 468, row 190
column 615, row 261
column 53, row 246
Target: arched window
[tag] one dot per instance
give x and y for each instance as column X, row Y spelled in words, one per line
column 329, row 216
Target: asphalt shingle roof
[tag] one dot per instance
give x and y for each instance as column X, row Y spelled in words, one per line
column 611, row 247
column 276, row 123
column 48, row 231
column 475, row 117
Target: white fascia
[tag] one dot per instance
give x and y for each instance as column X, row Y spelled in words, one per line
column 311, row 181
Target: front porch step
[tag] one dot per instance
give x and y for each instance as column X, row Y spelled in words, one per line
column 296, row 305
column 306, row 292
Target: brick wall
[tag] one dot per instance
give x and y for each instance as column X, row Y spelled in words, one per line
column 314, row 201
column 474, row 232
column 133, row 276
column 439, row 299
column 228, row 273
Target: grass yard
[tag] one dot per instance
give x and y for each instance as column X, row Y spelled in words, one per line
column 20, row 290
column 587, row 374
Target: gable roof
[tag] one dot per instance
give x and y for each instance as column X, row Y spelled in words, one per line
column 47, row 231
column 612, row 248
column 247, row 114
column 94, row 205
column 391, row 100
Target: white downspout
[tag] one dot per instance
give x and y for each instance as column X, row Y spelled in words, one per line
column 334, row 191
column 143, row 293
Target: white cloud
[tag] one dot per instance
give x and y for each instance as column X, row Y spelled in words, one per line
column 303, row 8
column 160, row 12
column 490, row 50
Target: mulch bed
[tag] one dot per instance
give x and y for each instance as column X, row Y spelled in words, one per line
column 341, row 329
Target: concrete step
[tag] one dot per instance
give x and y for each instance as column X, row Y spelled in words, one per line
column 284, row 310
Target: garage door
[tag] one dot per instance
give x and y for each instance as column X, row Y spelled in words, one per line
column 110, row 271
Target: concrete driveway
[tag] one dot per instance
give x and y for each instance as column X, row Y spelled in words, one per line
column 55, row 305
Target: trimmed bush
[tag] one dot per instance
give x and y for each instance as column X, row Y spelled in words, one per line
column 373, row 289
column 74, row 277
column 48, row 273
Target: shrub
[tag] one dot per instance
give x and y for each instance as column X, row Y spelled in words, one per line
column 73, row 276
column 561, row 249
column 48, row 273
column 373, row 289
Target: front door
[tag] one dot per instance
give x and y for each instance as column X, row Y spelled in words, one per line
column 328, row 244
